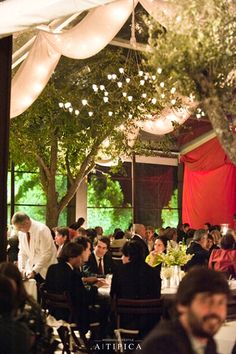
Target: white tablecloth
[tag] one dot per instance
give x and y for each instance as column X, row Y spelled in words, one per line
column 31, row 288
column 226, row 338
column 105, row 290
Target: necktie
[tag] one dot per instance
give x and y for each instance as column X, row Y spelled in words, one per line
column 100, row 269
column 28, row 237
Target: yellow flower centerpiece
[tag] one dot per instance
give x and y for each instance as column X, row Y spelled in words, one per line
column 172, row 260
column 175, row 255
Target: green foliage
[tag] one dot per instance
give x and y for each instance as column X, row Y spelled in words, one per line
column 169, row 213
column 64, row 134
column 106, row 205
column 198, row 49
column 29, row 195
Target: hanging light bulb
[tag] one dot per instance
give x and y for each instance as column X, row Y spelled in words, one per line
column 95, row 88
column 70, row 109
column 142, row 82
column 121, row 70
column 67, row 105
column 144, row 95
column 130, row 98
column 61, row 105
column 84, row 102
column 114, row 76
column 110, row 113
column 90, row 114
column 154, row 100
column 162, row 84
column 173, row 101
column 105, row 93
column 102, row 87
column 109, row 76
column 173, row 90
column 127, row 80
column 140, row 73
column 159, row 70
column 76, row 112
column 105, row 99
column 119, row 84
column 124, row 94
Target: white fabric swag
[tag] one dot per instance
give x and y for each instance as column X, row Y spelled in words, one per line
column 87, row 38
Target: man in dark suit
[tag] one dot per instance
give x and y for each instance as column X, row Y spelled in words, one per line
column 198, row 249
column 140, row 236
column 64, row 277
column 100, row 261
column 201, row 302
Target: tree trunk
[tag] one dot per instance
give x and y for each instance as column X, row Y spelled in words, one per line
column 52, row 210
column 220, row 125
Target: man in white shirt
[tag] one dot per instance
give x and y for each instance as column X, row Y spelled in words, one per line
column 37, row 250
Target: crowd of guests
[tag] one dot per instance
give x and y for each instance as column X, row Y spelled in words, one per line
column 76, row 260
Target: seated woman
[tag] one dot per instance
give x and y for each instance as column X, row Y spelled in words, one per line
column 136, row 280
column 224, row 259
column 160, row 246
column 28, row 311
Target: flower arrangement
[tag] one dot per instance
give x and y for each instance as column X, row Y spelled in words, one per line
column 166, row 272
column 175, row 255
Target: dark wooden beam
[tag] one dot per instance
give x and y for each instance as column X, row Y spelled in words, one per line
column 134, row 190
column 5, row 92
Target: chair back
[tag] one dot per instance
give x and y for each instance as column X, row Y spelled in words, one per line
column 53, row 300
column 138, row 307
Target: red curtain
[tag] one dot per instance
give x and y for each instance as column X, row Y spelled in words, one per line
column 209, row 190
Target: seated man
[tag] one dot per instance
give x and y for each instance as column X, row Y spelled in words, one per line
column 64, row 277
column 92, row 284
column 201, row 303
column 15, row 336
column 198, row 249
column 100, row 261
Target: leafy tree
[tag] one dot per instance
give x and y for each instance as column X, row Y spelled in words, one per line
column 169, row 213
column 88, row 109
column 197, row 48
column 106, row 205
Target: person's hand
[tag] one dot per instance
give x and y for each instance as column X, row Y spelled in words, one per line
column 100, row 282
column 31, row 275
column 89, row 280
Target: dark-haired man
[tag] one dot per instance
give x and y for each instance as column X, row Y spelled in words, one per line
column 100, row 261
column 201, row 303
column 64, row 277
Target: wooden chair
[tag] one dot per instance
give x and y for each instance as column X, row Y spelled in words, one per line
column 138, row 308
column 68, row 330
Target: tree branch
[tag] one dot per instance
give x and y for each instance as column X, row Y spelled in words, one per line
column 43, row 166
column 69, row 174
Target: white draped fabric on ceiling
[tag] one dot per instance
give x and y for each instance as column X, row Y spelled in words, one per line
column 18, row 15
column 87, row 38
